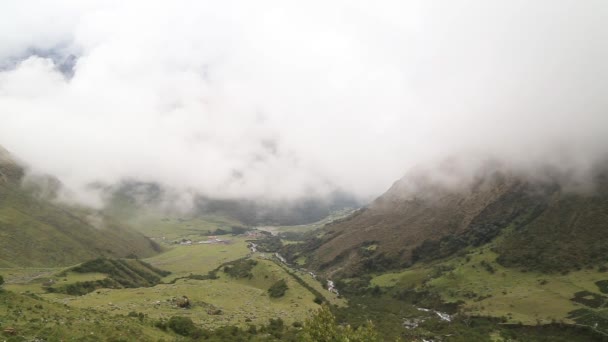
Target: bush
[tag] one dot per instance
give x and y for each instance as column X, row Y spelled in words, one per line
column 269, row 244
column 182, row 325
column 278, row 289
column 240, row 268
column 323, row 327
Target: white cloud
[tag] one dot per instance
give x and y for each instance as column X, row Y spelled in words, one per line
column 276, row 98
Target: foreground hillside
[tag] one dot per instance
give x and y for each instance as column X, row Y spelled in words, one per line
column 36, row 231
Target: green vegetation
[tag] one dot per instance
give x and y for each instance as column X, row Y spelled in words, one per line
column 182, row 261
column 38, row 232
column 122, row 273
column 568, row 235
column 217, row 299
column 302, row 231
column 399, row 304
column 182, row 326
column 240, row 268
column 323, row 327
column 32, row 318
column 311, row 285
column 278, row 289
column 269, row 244
column 479, row 286
column 602, row 285
column 458, row 287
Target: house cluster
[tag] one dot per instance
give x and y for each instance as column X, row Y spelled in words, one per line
column 213, row 239
column 255, row 234
column 210, row 240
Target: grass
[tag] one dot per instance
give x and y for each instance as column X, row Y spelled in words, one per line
column 242, row 301
column 526, row 297
column 35, row 319
column 167, row 228
column 199, row 258
column 405, row 279
column 36, row 232
column 303, row 228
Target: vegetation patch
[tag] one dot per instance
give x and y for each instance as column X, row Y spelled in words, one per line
column 240, row 268
column 122, row 273
column 590, row 299
column 598, row 320
column 530, row 248
column 278, row 289
column 602, row 285
column 269, row 244
column 319, row 298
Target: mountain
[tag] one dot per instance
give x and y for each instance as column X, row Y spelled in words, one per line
column 277, row 212
column 542, row 225
column 130, row 195
column 37, row 231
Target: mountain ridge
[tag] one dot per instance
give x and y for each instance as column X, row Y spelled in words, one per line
column 431, row 220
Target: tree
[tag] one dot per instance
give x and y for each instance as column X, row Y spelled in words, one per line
column 322, row 327
column 1, row 280
column 278, row 289
column 182, row 325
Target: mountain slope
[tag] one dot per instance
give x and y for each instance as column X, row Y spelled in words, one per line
column 542, row 226
column 35, row 231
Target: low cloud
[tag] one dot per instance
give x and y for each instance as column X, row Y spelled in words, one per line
column 281, row 99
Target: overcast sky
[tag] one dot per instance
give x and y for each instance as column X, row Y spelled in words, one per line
column 283, row 98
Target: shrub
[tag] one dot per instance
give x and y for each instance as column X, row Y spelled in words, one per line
column 182, row 325
column 278, row 289
column 240, row 268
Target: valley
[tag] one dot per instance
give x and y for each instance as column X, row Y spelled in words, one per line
column 217, row 301
column 430, row 265
column 471, row 284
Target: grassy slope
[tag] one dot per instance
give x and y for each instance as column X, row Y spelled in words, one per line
column 199, row 259
column 527, row 297
column 242, row 301
column 167, row 227
column 33, row 318
column 35, row 232
column 571, row 233
column 303, row 228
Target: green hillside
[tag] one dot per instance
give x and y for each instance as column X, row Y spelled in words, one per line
column 35, row 231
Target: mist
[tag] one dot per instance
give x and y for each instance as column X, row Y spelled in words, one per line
column 284, row 99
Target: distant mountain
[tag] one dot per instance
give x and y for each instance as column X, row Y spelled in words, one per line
column 278, row 212
column 535, row 225
column 37, row 231
column 130, row 195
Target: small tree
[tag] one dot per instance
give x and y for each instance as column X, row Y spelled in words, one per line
column 182, row 325
column 1, row 280
column 278, row 289
column 322, row 327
